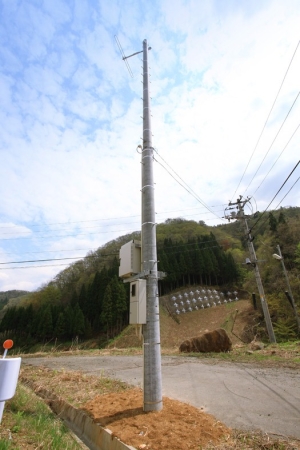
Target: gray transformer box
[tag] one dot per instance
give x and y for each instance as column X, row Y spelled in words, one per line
column 130, row 259
column 137, row 314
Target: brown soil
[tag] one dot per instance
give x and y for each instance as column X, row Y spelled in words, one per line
column 119, row 408
column 177, row 426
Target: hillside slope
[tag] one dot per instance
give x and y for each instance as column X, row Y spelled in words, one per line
column 237, row 318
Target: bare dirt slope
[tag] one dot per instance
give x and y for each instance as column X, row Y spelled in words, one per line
column 237, row 318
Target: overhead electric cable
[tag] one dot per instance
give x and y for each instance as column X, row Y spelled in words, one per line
column 69, row 235
column 277, row 158
column 265, row 124
column 280, row 202
column 32, row 267
column 79, row 221
column 31, row 236
column 103, row 219
column 186, row 187
column 82, row 228
column 287, row 192
column 273, row 140
column 54, row 251
column 100, row 255
column 39, row 260
column 58, row 259
column 275, row 196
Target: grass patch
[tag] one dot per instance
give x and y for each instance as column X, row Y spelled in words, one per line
column 74, row 386
column 287, row 354
column 281, row 355
column 28, row 423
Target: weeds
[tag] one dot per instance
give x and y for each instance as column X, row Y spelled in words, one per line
column 28, row 423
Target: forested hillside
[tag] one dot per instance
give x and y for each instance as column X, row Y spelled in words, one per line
column 11, row 297
column 89, row 300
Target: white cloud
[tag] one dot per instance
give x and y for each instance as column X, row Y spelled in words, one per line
column 70, row 120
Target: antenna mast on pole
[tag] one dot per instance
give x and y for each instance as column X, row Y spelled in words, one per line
column 151, row 330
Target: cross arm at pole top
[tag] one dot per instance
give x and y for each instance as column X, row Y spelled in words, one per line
column 133, row 54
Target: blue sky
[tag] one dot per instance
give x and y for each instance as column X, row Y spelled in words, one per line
column 70, row 119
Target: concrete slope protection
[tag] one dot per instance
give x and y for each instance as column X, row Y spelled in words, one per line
column 241, row 396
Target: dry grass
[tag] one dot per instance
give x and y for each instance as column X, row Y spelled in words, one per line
column 74, row 387
column 118, row 406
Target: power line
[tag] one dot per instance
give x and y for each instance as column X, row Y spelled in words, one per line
column 265, row 124
column 49, row 236
column 287, row 192
column 275, row 196
column 83, row 228
column 99, row 226
column 32, row 267
column 185, row 185
column 273, row 140
column 278, row 158
column 69, row 235
column 78, row 221
column 106, row 219
column 40, row 260
column 58, row 259
column 53, row 251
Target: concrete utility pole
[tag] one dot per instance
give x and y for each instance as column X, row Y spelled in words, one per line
column 280, row 258
column 151, row 330
column 148, row 270
column 253, row 261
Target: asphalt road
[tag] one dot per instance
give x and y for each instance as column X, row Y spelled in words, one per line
column 239, row 395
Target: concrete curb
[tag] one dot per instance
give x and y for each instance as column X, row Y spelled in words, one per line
column 92, row 434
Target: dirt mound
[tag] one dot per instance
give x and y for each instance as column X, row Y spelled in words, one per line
column 212, row 341
column 177, row 426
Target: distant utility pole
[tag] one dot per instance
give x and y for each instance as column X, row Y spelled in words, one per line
column 151, row 330
column 253, row 261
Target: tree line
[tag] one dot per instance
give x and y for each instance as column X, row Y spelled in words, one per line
column 200, row 260
column 100, row 304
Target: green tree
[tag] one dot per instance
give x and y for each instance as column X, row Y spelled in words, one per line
column 88, row 329
column 101, row 283
column 272, row 223
column 114, row 268
column 45, row 327
column 183, row 268
column 83, row 300
column 121, row 305
column 69, row 321
column 281, row 218
column 297, row 254
column 107, row 311
column 78, row 327
column 60, row 327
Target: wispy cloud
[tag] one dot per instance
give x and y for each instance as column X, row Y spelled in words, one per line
column 70, row 118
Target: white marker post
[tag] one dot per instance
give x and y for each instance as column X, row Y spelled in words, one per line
column 9, row 374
